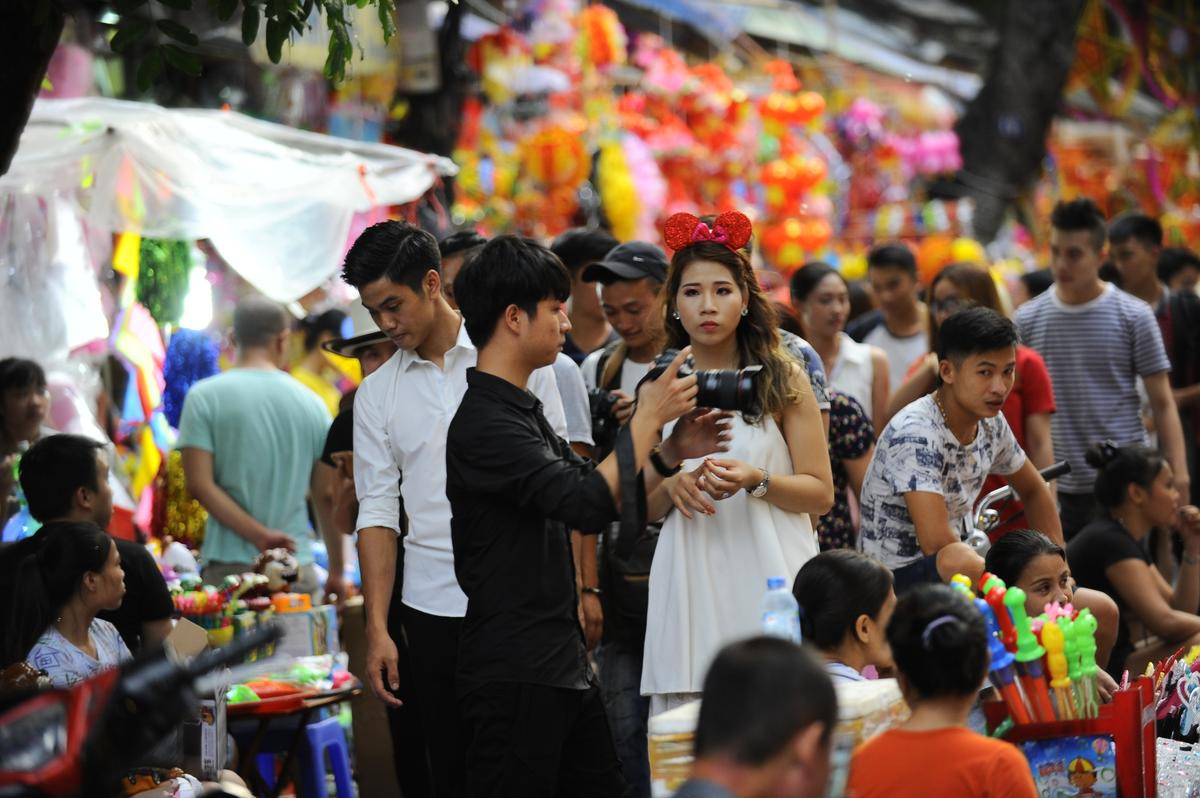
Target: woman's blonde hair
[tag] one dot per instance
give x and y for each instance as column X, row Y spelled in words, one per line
column 758, row 341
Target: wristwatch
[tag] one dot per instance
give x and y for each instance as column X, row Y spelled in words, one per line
column 660, row 465
column 760, row 490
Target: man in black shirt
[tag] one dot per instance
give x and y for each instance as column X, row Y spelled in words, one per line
column 65, row 478
column 536, row 723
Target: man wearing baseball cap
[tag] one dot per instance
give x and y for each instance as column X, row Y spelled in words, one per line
column 631, row 277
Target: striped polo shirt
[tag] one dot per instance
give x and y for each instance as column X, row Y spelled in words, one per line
column 1094, row 352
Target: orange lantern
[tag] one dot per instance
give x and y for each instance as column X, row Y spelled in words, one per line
column 554, row 157
column 934, row 253
column 809, row 105
column 809, row 171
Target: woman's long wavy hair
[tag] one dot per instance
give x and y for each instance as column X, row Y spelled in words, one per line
column 758, row 341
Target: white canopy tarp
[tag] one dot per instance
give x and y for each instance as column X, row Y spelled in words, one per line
column 276, row 202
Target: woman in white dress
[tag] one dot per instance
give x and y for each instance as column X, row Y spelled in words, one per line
column 735, row 520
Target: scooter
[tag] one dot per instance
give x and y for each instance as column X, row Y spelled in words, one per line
column 986, row 518
column 80, row 741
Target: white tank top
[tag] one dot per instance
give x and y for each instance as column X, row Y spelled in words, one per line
column 854, row 373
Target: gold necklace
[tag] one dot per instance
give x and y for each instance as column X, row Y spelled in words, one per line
column 937, row 400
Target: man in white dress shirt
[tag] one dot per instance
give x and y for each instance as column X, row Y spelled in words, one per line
column 401, row 416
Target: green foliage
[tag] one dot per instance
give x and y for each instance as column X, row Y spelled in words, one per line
column 163, row 277
column 166, row 41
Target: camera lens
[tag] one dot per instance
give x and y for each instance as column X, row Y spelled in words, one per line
column 729, row 389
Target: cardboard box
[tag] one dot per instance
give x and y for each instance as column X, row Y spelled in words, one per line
column 205, row 737
column 308, row 633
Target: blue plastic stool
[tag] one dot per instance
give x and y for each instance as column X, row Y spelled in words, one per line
column 326, row 735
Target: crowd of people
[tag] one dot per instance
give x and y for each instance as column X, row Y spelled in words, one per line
column 572, row 470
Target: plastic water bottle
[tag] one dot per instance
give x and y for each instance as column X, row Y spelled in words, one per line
column 781, row 613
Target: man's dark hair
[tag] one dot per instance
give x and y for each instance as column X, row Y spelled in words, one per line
column 53, row 469
column 1174, row 260
column 1037, row 282
column 973, row 330
column 1137, row 226
column 758, row 695
column 582, row 246
column 256, row 320
column 314, row 324
column 509, row 270
column 1109, row 273
column 399, row 251
column 1080, row 214
column 458, row 242
column 892, row 256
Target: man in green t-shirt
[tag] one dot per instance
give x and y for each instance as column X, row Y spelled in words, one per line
column 251, row 438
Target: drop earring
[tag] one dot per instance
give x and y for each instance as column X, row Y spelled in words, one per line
column 675, row 315
column 745, row 311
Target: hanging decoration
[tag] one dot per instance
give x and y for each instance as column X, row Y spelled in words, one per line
column 191, row 356
column 163, row 277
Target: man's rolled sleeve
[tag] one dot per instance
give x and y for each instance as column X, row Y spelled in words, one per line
column 376, row 474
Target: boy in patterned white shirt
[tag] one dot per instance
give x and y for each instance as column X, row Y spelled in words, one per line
column 933, row 457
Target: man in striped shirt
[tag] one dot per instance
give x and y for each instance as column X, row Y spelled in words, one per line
column 1096, row 341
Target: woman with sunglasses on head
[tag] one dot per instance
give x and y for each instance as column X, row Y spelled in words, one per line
column 743, row 517
column 1031, row 401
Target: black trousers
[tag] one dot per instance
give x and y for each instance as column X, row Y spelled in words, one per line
column 532, row 741
column 409, row 751
column 433, row 652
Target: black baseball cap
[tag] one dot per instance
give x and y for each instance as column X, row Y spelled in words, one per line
column 632, row 260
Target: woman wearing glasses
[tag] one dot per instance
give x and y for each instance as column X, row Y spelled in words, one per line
column 1031, row 401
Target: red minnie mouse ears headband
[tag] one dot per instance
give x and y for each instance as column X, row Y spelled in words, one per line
column 730, row 229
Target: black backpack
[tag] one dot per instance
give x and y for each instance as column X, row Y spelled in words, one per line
column 627, row 546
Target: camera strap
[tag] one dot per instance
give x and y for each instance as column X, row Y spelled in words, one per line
column 632, row 509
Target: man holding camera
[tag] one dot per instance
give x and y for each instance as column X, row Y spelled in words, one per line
column 536, row 723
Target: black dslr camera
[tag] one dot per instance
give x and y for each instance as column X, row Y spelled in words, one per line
column 722, row 389
column 604, row 422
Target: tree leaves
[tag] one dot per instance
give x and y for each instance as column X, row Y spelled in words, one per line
column 132, row 29
column 185, row 61
column 225, row 9
column 149, row 70
column 178, row 32
column 167, row 42
column 277, row 33
column 250, row 20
